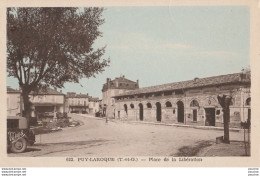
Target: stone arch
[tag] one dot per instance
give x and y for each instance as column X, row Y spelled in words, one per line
column 194, row 103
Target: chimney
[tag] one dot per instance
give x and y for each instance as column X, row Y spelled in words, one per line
column 196, row 79
column 108, row 82
column 242, row 76
column 137, row 81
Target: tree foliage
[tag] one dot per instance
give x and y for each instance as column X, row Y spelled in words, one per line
column 51, row 46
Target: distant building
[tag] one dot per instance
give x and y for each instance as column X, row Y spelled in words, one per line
column 81, row 103
column 47, row 103
column 192, row 102
column 77, row 103
column 94, row 105
column 112, row 88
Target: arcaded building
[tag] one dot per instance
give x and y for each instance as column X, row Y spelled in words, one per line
column 114, row 87
column 192, row 102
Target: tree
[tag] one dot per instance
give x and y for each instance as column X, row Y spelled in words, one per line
column 225, row 102
column 51, row 46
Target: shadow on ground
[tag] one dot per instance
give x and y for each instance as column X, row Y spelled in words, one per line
column 192, row 150
column 78, row 143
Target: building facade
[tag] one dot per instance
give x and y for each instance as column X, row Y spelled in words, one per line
column 94, row 105
column 81, row 103
column 191, row 102
column 114, row 87
column 46, row 104
column 13, row 102
column 77, row 103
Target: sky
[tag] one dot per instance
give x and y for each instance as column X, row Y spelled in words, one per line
column 158, row 45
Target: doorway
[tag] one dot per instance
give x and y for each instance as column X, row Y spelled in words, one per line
column 118, row 114
column 249, row 115
column 158, row 112
column 180, row 106
column 141, row 112
column 195, row 115
column 125, row 106
column 210, row 116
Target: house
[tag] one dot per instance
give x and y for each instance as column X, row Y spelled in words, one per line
column 47, row 103
column 81, row 103
column 114, row 87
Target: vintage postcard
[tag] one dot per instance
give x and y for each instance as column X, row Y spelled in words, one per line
column 122, row 83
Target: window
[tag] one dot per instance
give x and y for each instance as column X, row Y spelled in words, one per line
column 194, row 103
column 149, row 105
column 132, row 106
column 248, row 102
column 218, row 112
column 178, row 92
column 168, row 104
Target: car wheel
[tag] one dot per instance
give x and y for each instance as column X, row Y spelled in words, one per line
column 19, row 146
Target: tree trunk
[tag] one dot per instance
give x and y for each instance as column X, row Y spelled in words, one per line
column 225, row 101
column 27, row 106
column 226, row 125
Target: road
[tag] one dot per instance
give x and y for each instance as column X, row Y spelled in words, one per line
column 98, row 138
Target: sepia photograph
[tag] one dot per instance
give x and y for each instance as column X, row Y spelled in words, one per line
column 132, row 84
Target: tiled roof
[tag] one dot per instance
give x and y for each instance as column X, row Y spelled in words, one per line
column 123, row 83
column 48, row 91
column 69, row 95
column 197, row 82
column 93, row 99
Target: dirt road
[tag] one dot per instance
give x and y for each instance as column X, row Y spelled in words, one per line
column 98, row 138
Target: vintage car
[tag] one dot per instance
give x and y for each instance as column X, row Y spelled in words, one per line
column 18, row 134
